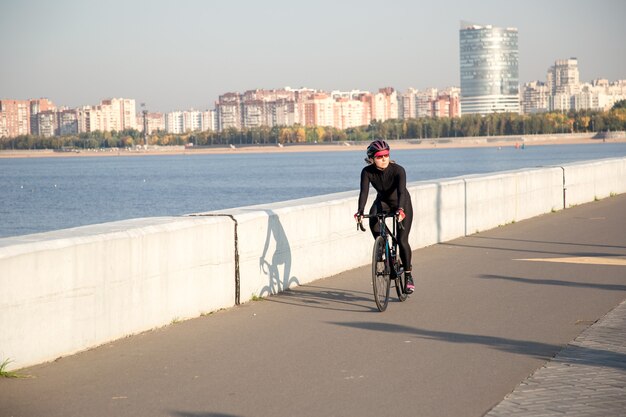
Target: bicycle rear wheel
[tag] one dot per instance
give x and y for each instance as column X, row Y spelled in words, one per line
column 380, row 274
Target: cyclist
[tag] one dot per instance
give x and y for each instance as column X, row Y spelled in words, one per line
column 389, row 180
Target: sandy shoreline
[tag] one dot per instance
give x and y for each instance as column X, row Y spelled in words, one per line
column 512, row 141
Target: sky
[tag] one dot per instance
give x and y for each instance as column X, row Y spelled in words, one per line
column 183, row 54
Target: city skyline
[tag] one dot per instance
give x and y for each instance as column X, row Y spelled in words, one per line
column 77, row 53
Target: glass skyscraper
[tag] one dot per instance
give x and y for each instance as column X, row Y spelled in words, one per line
column 489, row 70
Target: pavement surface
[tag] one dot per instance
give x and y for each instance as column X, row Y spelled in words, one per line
column 587, row 378
column 526, row 319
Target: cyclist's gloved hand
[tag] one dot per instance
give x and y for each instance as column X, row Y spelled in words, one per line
column 400, row 214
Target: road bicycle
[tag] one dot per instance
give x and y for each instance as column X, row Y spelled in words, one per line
column 386, row 263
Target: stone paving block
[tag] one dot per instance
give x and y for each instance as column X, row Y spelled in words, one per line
column 587, row 378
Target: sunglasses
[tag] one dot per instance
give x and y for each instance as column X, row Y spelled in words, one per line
column 382, row 156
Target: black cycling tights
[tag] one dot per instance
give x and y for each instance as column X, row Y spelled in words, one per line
column 401, row 234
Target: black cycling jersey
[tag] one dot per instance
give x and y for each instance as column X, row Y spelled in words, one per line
column 389, row 183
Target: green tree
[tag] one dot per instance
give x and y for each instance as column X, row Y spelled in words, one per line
column 619, row 105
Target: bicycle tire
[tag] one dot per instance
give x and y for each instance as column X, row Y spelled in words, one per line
column 400, row 283
column 380, row 274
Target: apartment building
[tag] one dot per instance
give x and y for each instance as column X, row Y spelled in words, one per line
column 563, row 77
column 287, row 107
column 120, row 114
column 430, row 103
column 111, row 114
column 67, row 122
column 446, row 105
column 88, row 119
column 453, row 95
column 286, row 112
column 384, row 105
column 40, row 117
column 319, row 110
column 179, row 122
column 406, row 104
column 535, row 97
column 423, row 102
column 270, row 108
column 192, row 121
column 154, row 121
column 18, row 117
column 256, row 114
column 45, row 123
column 209, row 120
column 563, row 91
column 42, row 105
column 229, row 111
column 349, row 113
column 14, row 118
column 174, row 122
column 599, row 95
column 563, row 80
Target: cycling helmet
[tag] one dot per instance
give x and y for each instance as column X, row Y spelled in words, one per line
column 375, row 147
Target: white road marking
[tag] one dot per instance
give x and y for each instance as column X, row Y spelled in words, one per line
column 589, row 260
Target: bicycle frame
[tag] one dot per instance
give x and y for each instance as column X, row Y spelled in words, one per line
column 392, row 251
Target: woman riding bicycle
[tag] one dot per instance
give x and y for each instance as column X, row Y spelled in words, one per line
column 389, row 180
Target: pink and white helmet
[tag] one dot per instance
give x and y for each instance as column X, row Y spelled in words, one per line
column 377, row 147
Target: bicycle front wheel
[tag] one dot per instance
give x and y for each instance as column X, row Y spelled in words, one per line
column 380, row 274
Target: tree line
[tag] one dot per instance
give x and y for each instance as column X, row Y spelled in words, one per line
column 499, row 124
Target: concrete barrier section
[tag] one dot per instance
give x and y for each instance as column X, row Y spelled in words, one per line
column 594, row 180
column 496, row 200
column 69, row 290
column 438, row 211
column 78, row 288
column 296, row 242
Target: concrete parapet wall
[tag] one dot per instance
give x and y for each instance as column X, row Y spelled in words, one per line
column 594, row 180
column 296, row 242
column 500, row 199
column 438, row 211
column 62, row 292
column 69, row 290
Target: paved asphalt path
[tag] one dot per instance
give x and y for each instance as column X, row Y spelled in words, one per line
column 489, row 310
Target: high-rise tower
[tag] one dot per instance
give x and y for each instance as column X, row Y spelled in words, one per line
column 489, row 69
column 563, row 80
column 563, row 77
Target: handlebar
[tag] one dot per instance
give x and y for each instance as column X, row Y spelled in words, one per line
column 383, row 216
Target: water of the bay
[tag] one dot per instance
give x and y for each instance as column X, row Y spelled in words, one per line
column 43, row 194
